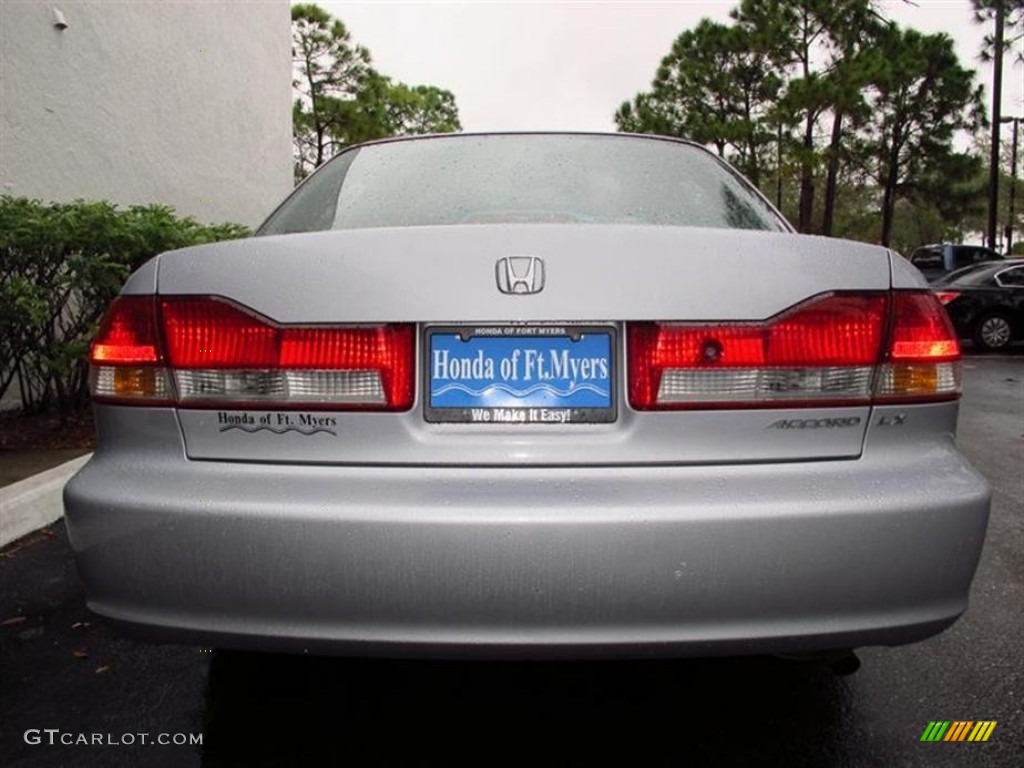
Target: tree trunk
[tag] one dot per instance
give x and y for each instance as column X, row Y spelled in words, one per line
column 753, row 165
column 807, row 179
column 891, row 177
column 778, row 170
column 832, row 178
column 314, row 108
column 753, row 169
column 997, row 93
column 754, row 173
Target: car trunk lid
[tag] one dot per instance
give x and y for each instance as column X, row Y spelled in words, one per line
column 594, row 277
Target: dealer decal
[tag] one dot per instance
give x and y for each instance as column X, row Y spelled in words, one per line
column 277, row 422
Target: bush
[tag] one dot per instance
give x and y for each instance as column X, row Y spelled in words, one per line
column 60, row 265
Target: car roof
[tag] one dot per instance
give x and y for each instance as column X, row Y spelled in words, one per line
column 976, row 248
column 953, row 245
column 981, row 266
column 478, row 134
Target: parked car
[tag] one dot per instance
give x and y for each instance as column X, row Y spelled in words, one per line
column 934, row 261
column 528, row 395
column 986, row 302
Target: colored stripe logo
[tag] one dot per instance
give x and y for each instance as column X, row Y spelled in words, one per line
column 958, row 730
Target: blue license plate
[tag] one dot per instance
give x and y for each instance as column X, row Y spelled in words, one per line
column 532, row 374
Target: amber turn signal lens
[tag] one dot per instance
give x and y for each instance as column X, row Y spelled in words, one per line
column 135, row 382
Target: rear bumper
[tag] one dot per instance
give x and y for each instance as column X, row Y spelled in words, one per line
column 530, row 561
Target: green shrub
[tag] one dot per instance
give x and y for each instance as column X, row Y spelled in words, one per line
column 60, row 265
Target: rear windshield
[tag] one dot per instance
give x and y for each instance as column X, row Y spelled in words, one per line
column 927, row 258
column 523, row 179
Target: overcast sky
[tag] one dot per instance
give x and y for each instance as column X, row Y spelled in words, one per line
column 525, row 65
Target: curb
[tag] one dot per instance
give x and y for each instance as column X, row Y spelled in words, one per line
column 36, row 501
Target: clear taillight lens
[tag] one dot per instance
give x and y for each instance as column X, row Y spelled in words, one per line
column 218, row 353
column 831, row 350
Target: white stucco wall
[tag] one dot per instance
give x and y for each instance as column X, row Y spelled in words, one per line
column 182, row 103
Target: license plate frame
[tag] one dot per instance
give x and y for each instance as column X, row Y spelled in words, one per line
column 525, row 398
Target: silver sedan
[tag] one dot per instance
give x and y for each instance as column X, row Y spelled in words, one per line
column 528, row 395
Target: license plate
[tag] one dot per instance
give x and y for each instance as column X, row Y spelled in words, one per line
column 531, row 374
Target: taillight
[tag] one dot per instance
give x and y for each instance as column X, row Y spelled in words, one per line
column 125, row 360
column 218, row 353
column 922, row 360
column 830, row 350
column 945, row 297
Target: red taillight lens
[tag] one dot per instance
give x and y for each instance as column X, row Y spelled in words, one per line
column 821, row 351
column 210, row 333
column 127, row 333
column 831, row 350
column 921, row 330
column 945, row 297
column 219, row 353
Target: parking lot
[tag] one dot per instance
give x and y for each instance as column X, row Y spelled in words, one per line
column 63, row 670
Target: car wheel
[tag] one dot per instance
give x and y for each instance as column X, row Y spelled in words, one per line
column 992, row 332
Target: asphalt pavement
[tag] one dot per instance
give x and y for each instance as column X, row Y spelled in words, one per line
column 66, row 676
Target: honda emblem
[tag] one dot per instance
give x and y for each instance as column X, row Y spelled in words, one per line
column 520, row 274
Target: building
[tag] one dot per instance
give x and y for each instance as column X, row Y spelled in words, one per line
column 180, row 103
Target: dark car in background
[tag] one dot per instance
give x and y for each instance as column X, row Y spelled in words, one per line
column 986, row 302
column 935, row 261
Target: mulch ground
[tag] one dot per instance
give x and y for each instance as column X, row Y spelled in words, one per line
column 46, row 431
